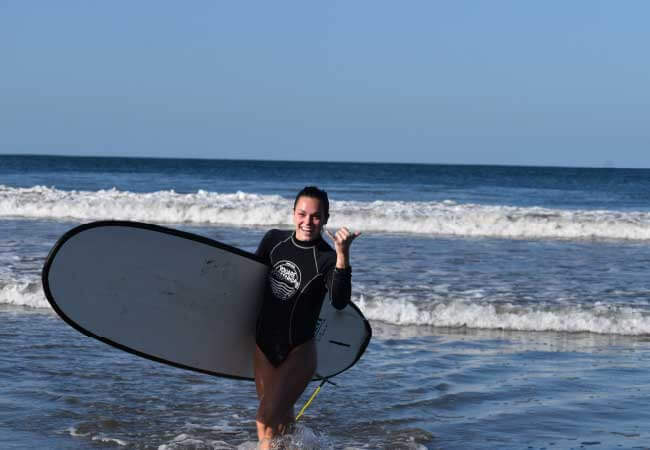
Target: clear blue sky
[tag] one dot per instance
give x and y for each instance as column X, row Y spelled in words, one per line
column 487, row 82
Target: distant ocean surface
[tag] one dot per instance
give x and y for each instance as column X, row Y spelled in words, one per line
column 510, row 305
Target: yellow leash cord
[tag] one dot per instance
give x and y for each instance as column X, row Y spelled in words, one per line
column 313, row 396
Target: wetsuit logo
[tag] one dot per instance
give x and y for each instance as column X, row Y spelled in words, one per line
column 285, row 279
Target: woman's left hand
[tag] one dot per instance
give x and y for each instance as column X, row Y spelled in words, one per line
column 342, row 240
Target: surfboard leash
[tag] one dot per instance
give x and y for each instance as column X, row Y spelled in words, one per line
column 313, row 396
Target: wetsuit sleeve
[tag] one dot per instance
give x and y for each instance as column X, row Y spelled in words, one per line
column 339, row 285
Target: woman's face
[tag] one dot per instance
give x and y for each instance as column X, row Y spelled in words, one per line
column 309, row 218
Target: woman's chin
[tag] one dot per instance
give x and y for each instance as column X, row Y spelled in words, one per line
column 305, row 236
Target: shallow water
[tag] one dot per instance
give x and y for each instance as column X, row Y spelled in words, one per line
column 416, row 386
column 510, row 307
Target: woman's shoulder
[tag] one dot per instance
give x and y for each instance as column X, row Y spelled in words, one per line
column 272, row 238
column 276, row 235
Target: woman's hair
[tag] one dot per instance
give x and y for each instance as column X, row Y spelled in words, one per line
column 314, row 192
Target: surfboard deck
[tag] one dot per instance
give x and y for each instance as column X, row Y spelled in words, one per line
column 178, row 298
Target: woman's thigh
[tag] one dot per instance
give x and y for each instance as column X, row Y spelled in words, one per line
column 280, row 387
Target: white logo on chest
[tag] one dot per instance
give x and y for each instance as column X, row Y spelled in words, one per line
column 284, row 279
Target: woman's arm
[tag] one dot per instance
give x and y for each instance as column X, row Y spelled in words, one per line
column 339, row 283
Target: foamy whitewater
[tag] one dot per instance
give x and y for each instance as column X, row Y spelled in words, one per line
column 510, row 306
column 246, row 209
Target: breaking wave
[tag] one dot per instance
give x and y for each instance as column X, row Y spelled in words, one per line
column 23, row 293
column 402, row 310
column 598, row 318
column 250, row 209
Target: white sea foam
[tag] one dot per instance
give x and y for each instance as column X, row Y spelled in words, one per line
column 202, row 207
column 101, row 437
column 598, row 318
column 184, row 441
column 75, row 433
column 109, row 440
column 23, row 293
column 248, row 209
column 470, row 311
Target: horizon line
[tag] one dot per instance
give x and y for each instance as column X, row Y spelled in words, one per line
column 606, row 165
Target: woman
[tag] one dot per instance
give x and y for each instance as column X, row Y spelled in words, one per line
column 303, row 269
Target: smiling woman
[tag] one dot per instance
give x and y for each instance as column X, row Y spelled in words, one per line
column 303, row 268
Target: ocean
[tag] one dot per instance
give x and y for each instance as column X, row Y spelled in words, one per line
column 510, row 306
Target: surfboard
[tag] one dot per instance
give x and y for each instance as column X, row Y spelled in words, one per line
column 178, row 298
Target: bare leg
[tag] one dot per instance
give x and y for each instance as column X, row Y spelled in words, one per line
column 278, row 389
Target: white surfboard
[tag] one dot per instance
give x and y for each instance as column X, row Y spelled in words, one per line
column 178, row 298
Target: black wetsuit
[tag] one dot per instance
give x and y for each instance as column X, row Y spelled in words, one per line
column 301, row 273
